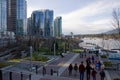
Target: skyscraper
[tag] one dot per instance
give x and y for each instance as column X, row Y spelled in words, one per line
column 17, row 16
column 37, row 20
column 58, row 27
column 42, row 23
column 48, row 23
column 29, row 26
column 3, row 16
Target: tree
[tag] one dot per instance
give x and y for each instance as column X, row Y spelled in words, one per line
column 116, row 19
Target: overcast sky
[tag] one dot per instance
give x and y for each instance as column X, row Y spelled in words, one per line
column 79, row 16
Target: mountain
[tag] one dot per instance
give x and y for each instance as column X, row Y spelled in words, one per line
column 114, row 31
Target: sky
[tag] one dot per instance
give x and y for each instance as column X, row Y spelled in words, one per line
column 79, row 16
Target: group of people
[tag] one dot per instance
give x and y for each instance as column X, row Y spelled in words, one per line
column 90, row 71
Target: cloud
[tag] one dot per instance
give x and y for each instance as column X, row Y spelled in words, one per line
column 77, row 21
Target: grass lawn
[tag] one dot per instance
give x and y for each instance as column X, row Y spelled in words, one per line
column 77, row 50
column 15, row 60
column 2, row 64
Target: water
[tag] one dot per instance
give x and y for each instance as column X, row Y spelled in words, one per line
column 106, row 44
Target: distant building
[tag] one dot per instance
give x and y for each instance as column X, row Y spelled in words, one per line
column 41, row 23
column 3, row 16
column 72, row 35
column 49, row 14
column 17, row 16
column 58, row 27
column 29, row 26
column 37, row 23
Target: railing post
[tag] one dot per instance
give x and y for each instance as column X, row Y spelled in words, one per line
column 36, row 67
column 21, row 76
column 30, row 77
column 0, row 74
column 51, row 72
column 10, row 75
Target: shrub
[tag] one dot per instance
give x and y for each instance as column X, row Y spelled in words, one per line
column 103, row 56
column 2, row 64
column 109, row 64
column 117, row 79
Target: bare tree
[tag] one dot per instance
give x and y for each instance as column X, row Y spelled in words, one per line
column 116, row 19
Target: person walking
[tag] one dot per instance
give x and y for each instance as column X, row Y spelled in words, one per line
column 93, row 59
column 70, row 68
column 102, row 74
column 99, row 63
column 88, row 71
column 94, row 74
column 75, row 69
column 81, row 71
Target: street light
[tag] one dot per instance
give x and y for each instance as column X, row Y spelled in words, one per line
column 54, row 48
column 31, row 50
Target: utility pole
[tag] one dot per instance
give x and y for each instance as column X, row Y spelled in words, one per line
column 54, row 49
column 31, row 50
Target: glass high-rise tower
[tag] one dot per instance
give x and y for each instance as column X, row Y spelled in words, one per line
column 48, row 22
column 42, row 23
column 17, row 16
column 3, row 16
column 37, row 20
column 58, row 27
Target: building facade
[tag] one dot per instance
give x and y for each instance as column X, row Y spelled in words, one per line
column 58, row 27
column 37, row 20
column 42, row 23
column 17, row 16
column 3, row 16
column 49, row 14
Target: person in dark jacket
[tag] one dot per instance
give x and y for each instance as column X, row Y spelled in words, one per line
column 81, row 70
column 102, row 74
column 88, row 71
column 94, row 74
column 75, row 68
column 70, row 68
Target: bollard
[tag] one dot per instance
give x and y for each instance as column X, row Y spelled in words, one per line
column 44, row 71
column 10, row 75
column 0, row 74
column 57, row 73
column 36, row 67
column 21, row 76
column 51, row 72
column 30, row 77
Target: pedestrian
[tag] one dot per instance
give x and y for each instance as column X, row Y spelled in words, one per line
column 81, row 71
column 102, row 74
column 97, row 66
column 88, row 60
column 99, row 63
column 88, row 71
column 61, row 54
column 93, row 59
column 70, row 68
column 75, row 68
column 94, row 74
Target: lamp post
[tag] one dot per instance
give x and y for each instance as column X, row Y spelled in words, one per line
column 31, row 50
column 54, row 48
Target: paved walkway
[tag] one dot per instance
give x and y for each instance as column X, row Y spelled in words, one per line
column 60, row 65
column 64, row 71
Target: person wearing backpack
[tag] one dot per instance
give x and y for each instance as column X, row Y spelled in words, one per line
column 88, row 71
column 94, row 74
column 81, row 71
column 70, row 68
column 75, row 68
column 102, row 74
